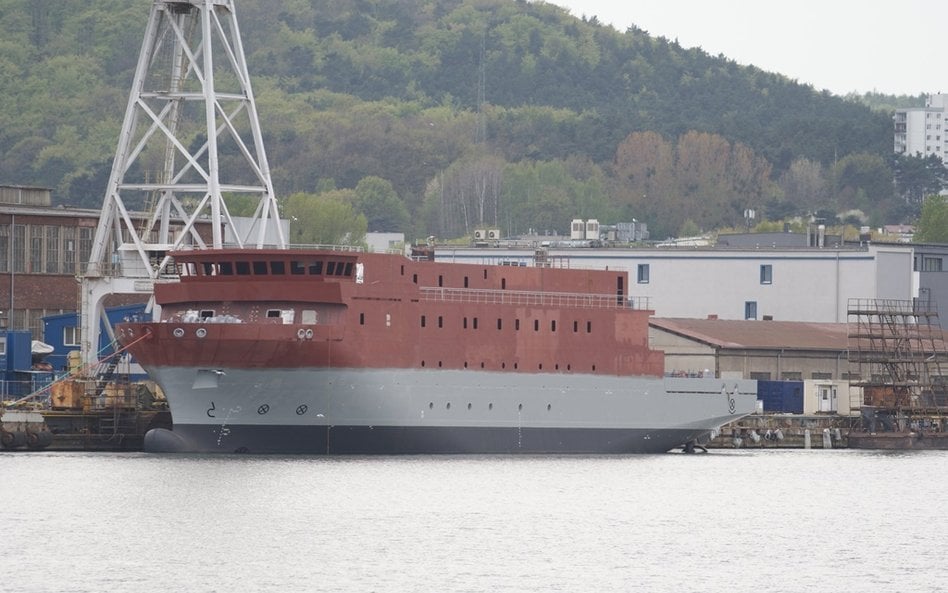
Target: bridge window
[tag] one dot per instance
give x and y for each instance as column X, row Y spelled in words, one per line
column 297, row 268
column 316, row 268
column 278, row 267
column 259, row 268
column 243, row 268
column 330, row 268
column 227, row 268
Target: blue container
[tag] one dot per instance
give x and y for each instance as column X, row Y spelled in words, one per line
column 781, row 396
column 16, row 352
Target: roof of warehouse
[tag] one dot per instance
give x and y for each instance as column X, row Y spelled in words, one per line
column 765, row 335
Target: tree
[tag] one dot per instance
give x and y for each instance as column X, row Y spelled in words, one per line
column 325, row 219
column 933, row 223
column 376, row 199
column 862, row 181
column 918, row 176
column 804, row 184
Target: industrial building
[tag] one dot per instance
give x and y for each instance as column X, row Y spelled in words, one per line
column 807, row 284
column 804, row 365
column 43, row 251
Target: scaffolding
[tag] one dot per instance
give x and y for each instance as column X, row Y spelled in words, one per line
column 898, row 356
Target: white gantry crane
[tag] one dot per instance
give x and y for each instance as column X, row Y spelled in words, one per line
column 190, row 141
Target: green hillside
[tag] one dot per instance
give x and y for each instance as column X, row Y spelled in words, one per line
column 552, row 116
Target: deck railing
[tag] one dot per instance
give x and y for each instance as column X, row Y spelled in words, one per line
column 575, row 300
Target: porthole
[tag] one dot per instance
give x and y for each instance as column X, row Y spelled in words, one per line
column 490, row 406
column 301, row 333
column 482, row 365
column 201, row 332
column 309, row 334
column 549, row 407
column 540, row 366
column 178, row 332
column 468, row 405
column 594, row 367
column 439, row 364
column 422, row 363
column 503, row 365
column 447, row 406
column 520, row 407
column 430, row 405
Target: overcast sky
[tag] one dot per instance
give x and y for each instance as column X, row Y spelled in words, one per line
column 841, row 45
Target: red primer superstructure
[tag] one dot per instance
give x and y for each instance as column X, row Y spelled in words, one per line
column 338, row 309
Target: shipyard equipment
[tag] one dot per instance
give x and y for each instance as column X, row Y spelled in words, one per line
column 898, row 356
column 191, row 101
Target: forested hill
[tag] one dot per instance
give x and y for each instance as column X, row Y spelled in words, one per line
column 566, row 117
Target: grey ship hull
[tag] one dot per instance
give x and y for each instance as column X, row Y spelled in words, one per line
column 396, row 411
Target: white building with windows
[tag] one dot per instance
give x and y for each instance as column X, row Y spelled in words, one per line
column 922, row 130
column 789, row 284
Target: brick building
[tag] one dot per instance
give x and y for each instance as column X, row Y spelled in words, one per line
column 43, row 251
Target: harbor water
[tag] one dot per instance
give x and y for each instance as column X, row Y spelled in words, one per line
column 727, row 521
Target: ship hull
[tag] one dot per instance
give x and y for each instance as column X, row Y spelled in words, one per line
column 397, row 411
column 413, row 440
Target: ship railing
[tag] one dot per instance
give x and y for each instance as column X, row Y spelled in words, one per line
column 576, row 300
